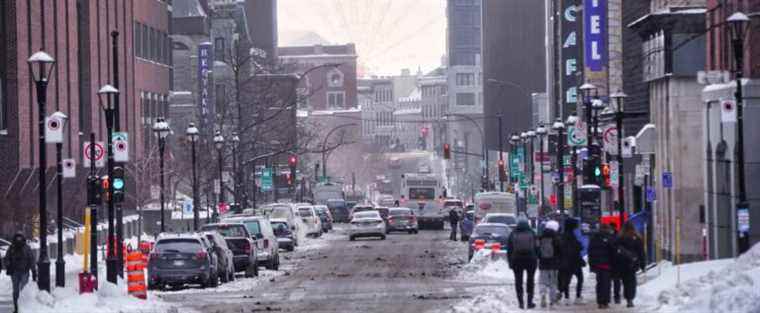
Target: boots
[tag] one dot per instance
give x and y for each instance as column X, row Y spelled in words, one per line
column 530, row 301
column 629, row 303
column 520, row 301
column 543, row 300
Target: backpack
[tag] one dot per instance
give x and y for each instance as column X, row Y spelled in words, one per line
column 523, row 243
column 546, row 248
column 626, row 257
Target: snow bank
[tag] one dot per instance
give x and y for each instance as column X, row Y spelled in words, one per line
column 483, row 269
column 715, row 286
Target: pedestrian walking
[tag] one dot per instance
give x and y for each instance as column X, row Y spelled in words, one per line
column 522, row 257
column 571, row 263
column 629, row 258
column 19, row 260
column 453, row 220
column 549, row 256
column 601, row 253
column 617, row 281
column 583, row 239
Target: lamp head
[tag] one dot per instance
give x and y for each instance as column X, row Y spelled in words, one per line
column 41, row 65
column 558, row 125
column 161, row 128
column 541, row 130
column 218, row 140
column 192, row 132
column 572, row 119
column 738, row 23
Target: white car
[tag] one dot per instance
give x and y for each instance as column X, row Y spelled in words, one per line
column 366, row 224
column 288, row 213
column 311, row 219
column 508, row 219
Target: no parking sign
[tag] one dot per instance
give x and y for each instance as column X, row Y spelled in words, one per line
column 120, row 146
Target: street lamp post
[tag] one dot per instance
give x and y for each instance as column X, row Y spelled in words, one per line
column 739, row 23
column 161, row 129
column 110, row 93
column 192, row 135
column 541, row 132
column 41, row 65
column 619, row 97
column 235, row 143
column 559, row 127
column 501, row 151
column 531, row 135
column 513, row 141
column 60, row 264
column 219, row 145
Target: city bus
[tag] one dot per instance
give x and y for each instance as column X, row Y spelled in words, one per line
column 423, row 193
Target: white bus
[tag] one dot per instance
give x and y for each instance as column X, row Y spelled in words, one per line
column 423, row 193
column 494, row 202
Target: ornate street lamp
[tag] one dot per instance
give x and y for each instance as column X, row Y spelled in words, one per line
column 618, row 99
column 235, row 143
column 559, row 127
column 541, row 133
column 192, row 135
column 161, row 130
column 219, row 145
column 107, row 95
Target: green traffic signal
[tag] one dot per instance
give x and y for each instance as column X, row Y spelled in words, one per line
column 597, row 171
column 118, row 184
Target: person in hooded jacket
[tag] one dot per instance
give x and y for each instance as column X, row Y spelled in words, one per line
column 453, row 220
column 19, row 260
column 629, row 258
column 549, row 256
column 601, row 253
column 572, row 262
column 522, row 256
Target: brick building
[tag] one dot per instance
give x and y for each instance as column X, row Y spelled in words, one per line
column 326, row 87
column 77, row 35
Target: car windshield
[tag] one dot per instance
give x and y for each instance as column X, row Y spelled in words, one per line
column 501, row 219
column 227, row 230
column 280, row 228
column 186, row 245
column 280, row 212
column 253, row 227
column 492, row 230
column 366, row 215
column 400, row 212
column 305, row 212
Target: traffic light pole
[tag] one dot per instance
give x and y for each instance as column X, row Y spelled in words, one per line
column 117, row 126
column 501, row 154
column 111, row 260
column 621, row 198
column 93, row 197
column 60, row 264
column 560, row 170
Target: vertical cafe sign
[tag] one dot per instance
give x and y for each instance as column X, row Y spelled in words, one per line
column 571, row 55
column 595, row 43
column 204, row 68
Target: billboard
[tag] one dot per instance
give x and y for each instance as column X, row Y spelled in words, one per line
column 204, row 66
column 571, row 54
column 596, row 56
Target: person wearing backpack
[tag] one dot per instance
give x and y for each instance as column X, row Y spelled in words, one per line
column 629, row 258
column 522, row 257
column 572, row 262
column 549, row 256
column 601, row 252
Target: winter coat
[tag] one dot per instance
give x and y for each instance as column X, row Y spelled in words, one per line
column 601, row 251
column 453, row 217
column 553, row 262
column 466, row 226
column 19, row 259
column 571, row 250
column 635, row 245
column 521, row 261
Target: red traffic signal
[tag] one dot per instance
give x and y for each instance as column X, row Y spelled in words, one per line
column 606, row 175
column 446, row 151
column 502, row 171
column 293, row 161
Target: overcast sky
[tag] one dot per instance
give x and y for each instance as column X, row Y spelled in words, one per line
column 389, row 34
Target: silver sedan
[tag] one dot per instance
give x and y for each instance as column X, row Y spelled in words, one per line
column 366, row 224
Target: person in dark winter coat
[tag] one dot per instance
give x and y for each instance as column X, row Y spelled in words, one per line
column 572, row 262
column 549, row 257
column 629, row 258
column 19, row 260
column 601, row 253
column 522, row 257
column 453, row 220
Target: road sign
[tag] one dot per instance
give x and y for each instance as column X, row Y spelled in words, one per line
column 187, row 206
column 610, row 140
column 266, row 179
column 576, row 135
column 155, row 191
column 120, row 141
column 53, row 129
column 69, row 168
column 742, row 217
column 568, row 198
column 614, row 174
column 628, row 143
column 667, row 180
column 728, row 111
column 651, row 194
column 99, row 156
column 640, row 173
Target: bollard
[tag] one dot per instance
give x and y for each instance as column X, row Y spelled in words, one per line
column 136, row 275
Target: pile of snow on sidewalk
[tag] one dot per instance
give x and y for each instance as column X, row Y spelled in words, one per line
column 734, row 288
column 109, row 298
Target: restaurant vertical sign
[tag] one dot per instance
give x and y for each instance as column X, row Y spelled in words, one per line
column 596, row 44
column 204, row 84
column 571, row 53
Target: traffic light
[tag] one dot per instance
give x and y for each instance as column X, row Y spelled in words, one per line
column 289, row 179
column 606, row 175
column 118, row 184
column 592, row 167
column 293, row 164
column 93, row 190
column 502, row 171
column 105, row 187
column 446, row 151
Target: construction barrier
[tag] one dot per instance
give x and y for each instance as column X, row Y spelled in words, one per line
column 136, row 275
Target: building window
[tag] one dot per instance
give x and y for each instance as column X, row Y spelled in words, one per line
column 465, row 79
column 335, row 78
column 465, row 98
column 335, row 99
column 219, row 48
column 144, row 39
column 137, row 40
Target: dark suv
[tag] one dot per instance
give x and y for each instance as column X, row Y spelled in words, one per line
column 179, row 259
column 239, row 241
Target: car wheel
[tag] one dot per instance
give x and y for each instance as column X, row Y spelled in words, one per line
column 214, row 281
column 225, row 277
column 351, row 238
column 387, row 231
column 276, row 266
column 382, row 237
column 290, row 248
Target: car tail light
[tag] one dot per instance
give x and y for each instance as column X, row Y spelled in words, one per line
column 201, row 255
column 266, row 243
column 247, row 248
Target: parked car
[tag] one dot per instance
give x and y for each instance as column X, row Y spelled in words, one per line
column 324, row 216
column 215, row 268
column 340, row 210
column 286, row 239
column 361, row 208
column 383, row 213
column 260, row 230
column 366, row 224
column 311, row 219
column 239, row 241
column 490, row 233
column 179, row 259
column 287, row 212
column 402, row 219
column 508, row 219
column 224, row 256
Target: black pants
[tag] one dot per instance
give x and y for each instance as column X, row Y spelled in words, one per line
column 453, row 235
column 565, row 277
column 531, row 272
column 628, row 279
column 579, row 282
column 616, row 285
column 602, row 286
